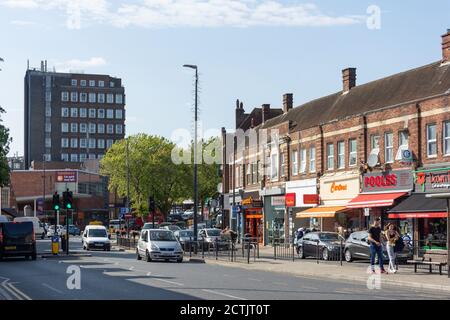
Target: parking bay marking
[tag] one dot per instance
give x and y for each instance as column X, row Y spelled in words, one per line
column 223, row 294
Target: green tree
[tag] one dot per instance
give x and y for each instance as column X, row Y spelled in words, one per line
column 5, row 141
column 151, row 170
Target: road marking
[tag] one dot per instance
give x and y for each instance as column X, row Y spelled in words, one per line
column 51, row 288
column 309, row 288
column 171, row 282
column 223, row 294
column 148, row 274
column 254, row 279
column 282, row 283
column 14, row 288
column 131, row 268
column 3, row 290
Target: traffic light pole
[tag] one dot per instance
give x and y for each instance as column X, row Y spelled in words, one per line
column 67, row 231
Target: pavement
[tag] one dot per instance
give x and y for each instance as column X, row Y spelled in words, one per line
column 119, row 275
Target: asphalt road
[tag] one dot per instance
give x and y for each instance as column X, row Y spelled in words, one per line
column 118, row 275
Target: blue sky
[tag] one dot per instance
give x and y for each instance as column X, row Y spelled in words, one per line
column 252, row 50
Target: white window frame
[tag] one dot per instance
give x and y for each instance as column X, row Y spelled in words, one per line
column 83, row 143
column 388, row 147
column 65, row 112
column 109, row 113
column 110, row 128
column 64, row 142
column 92, row 143
column 330, row 156
column 74, row 96
column 91, row 83
column 119, row 129
column 74, row 143
column 109, row 143
column 100, row 143
column 73, row 157
column 64, row 127
column 83, row 113
column 352, row 154
column 101, row 98
column 119, row 98
column 119, row 113
column 65, row 96
column 92, row 113
column 109, row 98
column 446, row 138
column 83, row 127
column 74, row 127
column 92, row 97
column 65, row 157
column 101, row 128
column 101, row 83
column 83, row 97
column 341, row 154
column 312, row 159
column 74, row 112
column 74, row 82
column 101, row 113
column 294, row 156
column 431, row 141
column 302, row 160
column 92, row 127
column 83, row 83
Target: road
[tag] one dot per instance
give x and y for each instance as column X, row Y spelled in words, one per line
column 118, row 275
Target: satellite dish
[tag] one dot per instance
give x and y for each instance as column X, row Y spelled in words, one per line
column 373, row 160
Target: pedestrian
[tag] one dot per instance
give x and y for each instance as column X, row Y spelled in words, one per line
column 376, row 247
column 300, row 233
column 392, row 236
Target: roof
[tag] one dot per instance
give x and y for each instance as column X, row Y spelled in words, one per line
column 415, row 84
column 256, row 115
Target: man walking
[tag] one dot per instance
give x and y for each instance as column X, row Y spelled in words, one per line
column 376, row 247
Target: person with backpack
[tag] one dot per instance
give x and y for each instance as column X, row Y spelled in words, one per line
column 392, row 237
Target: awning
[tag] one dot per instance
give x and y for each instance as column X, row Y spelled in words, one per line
column 374, row 200
column 320, row 212
column 418, row 205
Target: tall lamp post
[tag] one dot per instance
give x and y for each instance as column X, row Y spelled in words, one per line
column 195, row 149
column 445, row 196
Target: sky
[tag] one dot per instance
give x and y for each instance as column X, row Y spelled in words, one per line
column 251, row 50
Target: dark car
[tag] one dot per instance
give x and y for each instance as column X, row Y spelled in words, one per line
column 357, row 248
column 17, row 239
column 185, row 237
column 323, row 245
column 74, row 230
column 175, row 218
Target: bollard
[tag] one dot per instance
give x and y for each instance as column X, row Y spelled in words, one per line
column 217, row 249
column 293, row 250
column 274, row 250
column 317, row 252
column 257, row 246
column 190, row 247
column 203, row 249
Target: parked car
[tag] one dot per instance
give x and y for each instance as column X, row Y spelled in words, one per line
column 60, row 230
column 188, row 214
column 17, row 239
column 357, row 248
column 209, row 236
column 171, row 227
column 74, row 230
column 149, row 225
column 3, row 218
column 184, row 236
column 326, row 244
column 175, row 218
column 164, row 224
column 38, row 226
column 159, row 244
column 96, row 237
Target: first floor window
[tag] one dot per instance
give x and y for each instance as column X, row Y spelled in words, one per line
column 64, row 142
column 274, row 167
column 91, row 143
column 294, row 157
column 101, row 143
column 303, row 160
column 64, row 157
column 82, row 157
column 283, row 165
column 119, row 129
column 83, row 143
column 330, row 156
column 101, row 128
column 109, row 143
column 341, row 155
column 431, row 140
column 91, row 156
column 74, row 157
column 74, row 143
column 352, row 152
column 312, row 159
column 446, row 138
column 388, row 147
column 74, row 127
column 100, row 156
column 64, row 127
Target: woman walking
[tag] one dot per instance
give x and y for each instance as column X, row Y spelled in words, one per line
column 392, row 236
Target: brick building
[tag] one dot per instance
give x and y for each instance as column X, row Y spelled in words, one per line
column 71, row 116
column 331, row 149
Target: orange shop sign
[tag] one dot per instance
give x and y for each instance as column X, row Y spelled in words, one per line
column 290, row 199
column 338, row 187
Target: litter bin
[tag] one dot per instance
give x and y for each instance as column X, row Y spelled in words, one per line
column 55, row 244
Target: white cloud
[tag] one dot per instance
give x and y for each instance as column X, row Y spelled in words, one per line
column 188, row 13
column 79, row 65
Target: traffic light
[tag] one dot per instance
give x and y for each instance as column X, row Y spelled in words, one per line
column 55, row 201
column 68, row 199
column 151, row 204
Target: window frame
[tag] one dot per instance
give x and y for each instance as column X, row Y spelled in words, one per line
column 431, row 141
column 341, row 154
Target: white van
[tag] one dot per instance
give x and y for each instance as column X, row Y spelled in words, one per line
column 96, row 237
column 38, row 226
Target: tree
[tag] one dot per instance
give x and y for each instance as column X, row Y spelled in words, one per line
column 152, row 172
column 5, row 141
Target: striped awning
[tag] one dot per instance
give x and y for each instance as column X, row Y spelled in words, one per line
column 374, row 200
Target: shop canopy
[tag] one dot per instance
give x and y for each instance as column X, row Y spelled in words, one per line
column 418, row 205
column 370, row 200
column 320, row 212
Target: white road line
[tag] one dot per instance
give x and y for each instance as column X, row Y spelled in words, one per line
column 254, row 279
column 131, row 268
column 223, row 294
column 14, row 288
column 4, row 291
column 309, row 288
column 282, row 283
column 51, row 288
column 171, row 282
column 148, row 274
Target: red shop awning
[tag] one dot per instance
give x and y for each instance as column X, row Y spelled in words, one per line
column 417, row 215
column 374, row 200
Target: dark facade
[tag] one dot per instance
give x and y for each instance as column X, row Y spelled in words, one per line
column 71, row 117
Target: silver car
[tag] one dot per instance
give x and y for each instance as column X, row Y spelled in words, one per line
column 158, row 244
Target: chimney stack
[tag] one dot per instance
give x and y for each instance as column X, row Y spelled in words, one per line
column 287, row 102
column 240, row 113
column 348, row 79
column 446, row 47
column 265, row 112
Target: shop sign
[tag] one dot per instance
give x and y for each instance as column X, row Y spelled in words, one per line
column 387, row 181
column 311, row 199
column 278, row 201
column 406, row 157
column 336, row 187
column 290, row 199
column 66, row 176
column 433, row 180
column 247, row 202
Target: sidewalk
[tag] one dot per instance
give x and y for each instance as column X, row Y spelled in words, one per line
column 355, row 271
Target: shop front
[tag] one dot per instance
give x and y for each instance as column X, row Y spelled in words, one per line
column 252, row 211
column 336, row 191
column 423, row 219
column 275, row 215
column 305, row 192
column 380, row 191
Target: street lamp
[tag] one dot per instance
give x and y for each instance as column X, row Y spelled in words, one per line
column 195, row 149
column 1, row 60
column 445, row 196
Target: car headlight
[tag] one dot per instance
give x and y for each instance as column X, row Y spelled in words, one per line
column 154, row 247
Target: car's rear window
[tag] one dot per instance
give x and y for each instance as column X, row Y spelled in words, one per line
column 17, row 229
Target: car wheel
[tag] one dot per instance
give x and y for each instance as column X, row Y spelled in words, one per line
column 27, row 257
column 325, row 254
column 33, row 256
column 301, row 255
column 108, row 249
column 147, row 257
column 138, row 256
column 348, row 256
column 180, row 260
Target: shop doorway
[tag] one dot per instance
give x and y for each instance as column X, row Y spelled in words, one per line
column 254, row 226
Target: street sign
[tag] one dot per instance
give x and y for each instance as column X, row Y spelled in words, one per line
column 124, row 210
